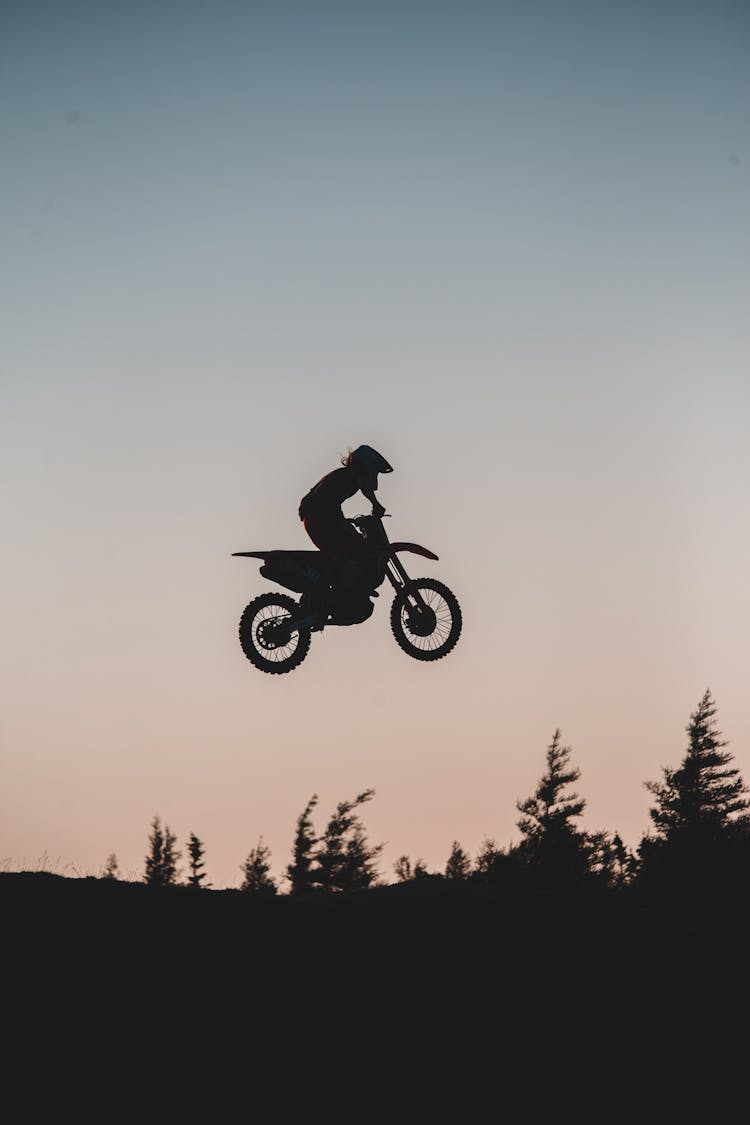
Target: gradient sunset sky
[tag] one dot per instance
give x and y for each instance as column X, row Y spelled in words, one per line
column 508, row 245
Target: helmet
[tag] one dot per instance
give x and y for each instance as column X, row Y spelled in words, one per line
column 368, row 462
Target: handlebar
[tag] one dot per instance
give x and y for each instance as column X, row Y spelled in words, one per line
column 358, row 519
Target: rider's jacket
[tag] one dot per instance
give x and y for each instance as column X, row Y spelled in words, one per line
column 327, row 496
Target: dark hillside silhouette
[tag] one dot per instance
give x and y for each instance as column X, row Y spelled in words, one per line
column 433, row 1001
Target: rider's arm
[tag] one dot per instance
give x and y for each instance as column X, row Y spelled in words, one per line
column 377, row 507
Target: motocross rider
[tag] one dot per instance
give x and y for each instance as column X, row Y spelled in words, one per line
column 330, row 531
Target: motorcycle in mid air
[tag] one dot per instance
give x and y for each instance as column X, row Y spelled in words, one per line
column 275, row 630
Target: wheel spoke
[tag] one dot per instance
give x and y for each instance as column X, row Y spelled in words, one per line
column 443, row 621
column 265, row 636
column 427, row 605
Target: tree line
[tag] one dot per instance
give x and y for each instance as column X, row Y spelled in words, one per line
column 698, row 840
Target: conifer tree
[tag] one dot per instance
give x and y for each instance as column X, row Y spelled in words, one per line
column 459, row 863
column 358, row 871
column 162, row 858
column 551, row 840
column 705, row 796
column 153, row 875
column 169, row 859
column 608, row 859
column 623, row 861
column 486, row 858
column 345, row 860
column 403, row 869
column 300, row 870
column 700, row 815
column 196, row 851
column 256, row 869
column 111, row 868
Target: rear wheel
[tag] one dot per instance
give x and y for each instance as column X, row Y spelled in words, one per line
column 267, row 638
column 426, row 619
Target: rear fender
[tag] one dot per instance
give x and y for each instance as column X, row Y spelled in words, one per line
column 301, row 571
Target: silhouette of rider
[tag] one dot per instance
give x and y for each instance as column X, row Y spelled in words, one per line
column 330, row 531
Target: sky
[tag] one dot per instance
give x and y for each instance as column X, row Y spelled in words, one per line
column 504, row 243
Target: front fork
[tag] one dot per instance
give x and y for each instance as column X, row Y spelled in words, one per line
column 400, row 580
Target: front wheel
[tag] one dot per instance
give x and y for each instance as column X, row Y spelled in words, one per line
column 267, row 637
column 426, row 619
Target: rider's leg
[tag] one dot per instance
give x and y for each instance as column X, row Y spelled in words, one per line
column 353, row 587
column 337, row 539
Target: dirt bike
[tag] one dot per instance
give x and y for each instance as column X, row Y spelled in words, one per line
column 275, row 630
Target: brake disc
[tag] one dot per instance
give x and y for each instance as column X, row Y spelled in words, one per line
column 273, row 633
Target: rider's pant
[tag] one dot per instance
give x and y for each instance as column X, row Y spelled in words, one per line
column 336, row 537
column 333, row 534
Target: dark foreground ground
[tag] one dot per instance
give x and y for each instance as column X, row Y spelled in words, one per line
column 429, row 1002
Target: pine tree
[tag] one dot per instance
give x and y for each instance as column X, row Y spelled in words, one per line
column 345, row 860
column 153, row 875
column 608, row 859
column 551, row 841
column 403, row 869
column 256, row 871
column 459, row 863
column 111, row 868
column 625, row 863
column 486, row 858
column 705, row 796
column 196, row 851
column 406, row 872
column 169, row 859
column 358, row 872
column 300, row 870
column 700, row 815
column 161, row 861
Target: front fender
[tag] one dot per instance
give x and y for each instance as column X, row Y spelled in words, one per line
column 415, row 550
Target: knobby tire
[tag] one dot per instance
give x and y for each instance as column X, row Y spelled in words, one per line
column 449, row 623
column 249, row 623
